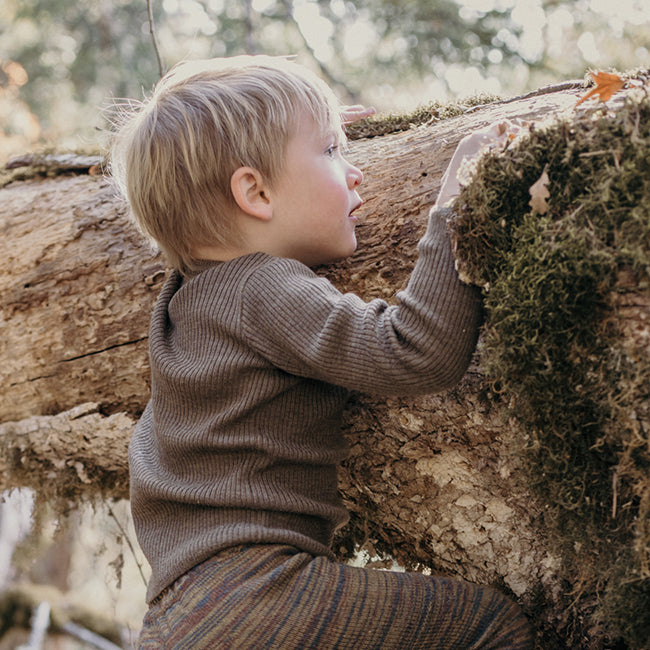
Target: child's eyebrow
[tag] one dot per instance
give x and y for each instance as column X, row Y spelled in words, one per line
column 329, row 136
column 338, row 135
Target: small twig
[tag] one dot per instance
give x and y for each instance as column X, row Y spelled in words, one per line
column 128, row 541
column 353, row 96
column 88, row 636
column 40, row 624
column 152, row 31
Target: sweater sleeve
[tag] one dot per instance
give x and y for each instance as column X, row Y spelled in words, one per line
column 302, row 324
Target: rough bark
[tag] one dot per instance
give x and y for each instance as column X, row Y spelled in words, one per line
column 431, row 480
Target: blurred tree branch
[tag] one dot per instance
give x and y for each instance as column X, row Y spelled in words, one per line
column 154, row 40
column 351, row 96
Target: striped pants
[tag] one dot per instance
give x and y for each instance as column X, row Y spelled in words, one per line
column 268, row 596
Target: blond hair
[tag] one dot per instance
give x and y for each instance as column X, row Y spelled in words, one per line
column 174, row 154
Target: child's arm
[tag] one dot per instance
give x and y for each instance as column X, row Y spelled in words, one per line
column 303, row 325
column 422, row 344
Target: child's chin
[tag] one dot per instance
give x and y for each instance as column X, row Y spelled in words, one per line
column 345, row 254
column 332, row 259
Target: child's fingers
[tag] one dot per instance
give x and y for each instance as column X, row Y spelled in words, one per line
column 500, row 132
column 494, row 135
column 350, row 114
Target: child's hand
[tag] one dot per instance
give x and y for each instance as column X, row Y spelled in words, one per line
column 470, row 146
column 350, row 114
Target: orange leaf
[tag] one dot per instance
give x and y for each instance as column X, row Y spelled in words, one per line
column 607, row 83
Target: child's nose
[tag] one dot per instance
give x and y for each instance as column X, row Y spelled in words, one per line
column 355, row 177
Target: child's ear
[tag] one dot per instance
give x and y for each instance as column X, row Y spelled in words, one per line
column 249, row 189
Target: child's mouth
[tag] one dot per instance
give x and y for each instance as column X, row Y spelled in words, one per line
column 354, row 209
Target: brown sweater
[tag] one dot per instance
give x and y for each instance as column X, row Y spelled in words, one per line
column 252, row 363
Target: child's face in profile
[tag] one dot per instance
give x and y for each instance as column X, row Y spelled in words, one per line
column 315, row 197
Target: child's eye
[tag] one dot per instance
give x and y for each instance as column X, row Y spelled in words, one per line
column 331, row 150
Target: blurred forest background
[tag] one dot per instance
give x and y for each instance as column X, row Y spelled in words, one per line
column 63, row 61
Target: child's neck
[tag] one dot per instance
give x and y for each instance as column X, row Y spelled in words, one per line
column 218, row 253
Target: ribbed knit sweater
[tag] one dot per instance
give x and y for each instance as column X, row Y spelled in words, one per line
column 252, row 363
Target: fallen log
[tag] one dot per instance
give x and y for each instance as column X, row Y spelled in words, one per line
column 433, row 482
column 77, row 281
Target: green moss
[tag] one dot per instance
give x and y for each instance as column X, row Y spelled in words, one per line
column 385, row 123
column 625, row 592
column 554, row 346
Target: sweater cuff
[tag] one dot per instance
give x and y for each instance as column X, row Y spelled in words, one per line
column 438, row 219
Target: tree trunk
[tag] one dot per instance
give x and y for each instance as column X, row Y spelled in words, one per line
column 430, row 480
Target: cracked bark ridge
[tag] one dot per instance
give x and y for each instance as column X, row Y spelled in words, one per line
column 77, row 286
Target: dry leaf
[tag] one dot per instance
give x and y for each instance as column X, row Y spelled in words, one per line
column 539, row 193
column 607, row 83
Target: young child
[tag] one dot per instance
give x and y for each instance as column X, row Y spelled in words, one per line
column 235, row 169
